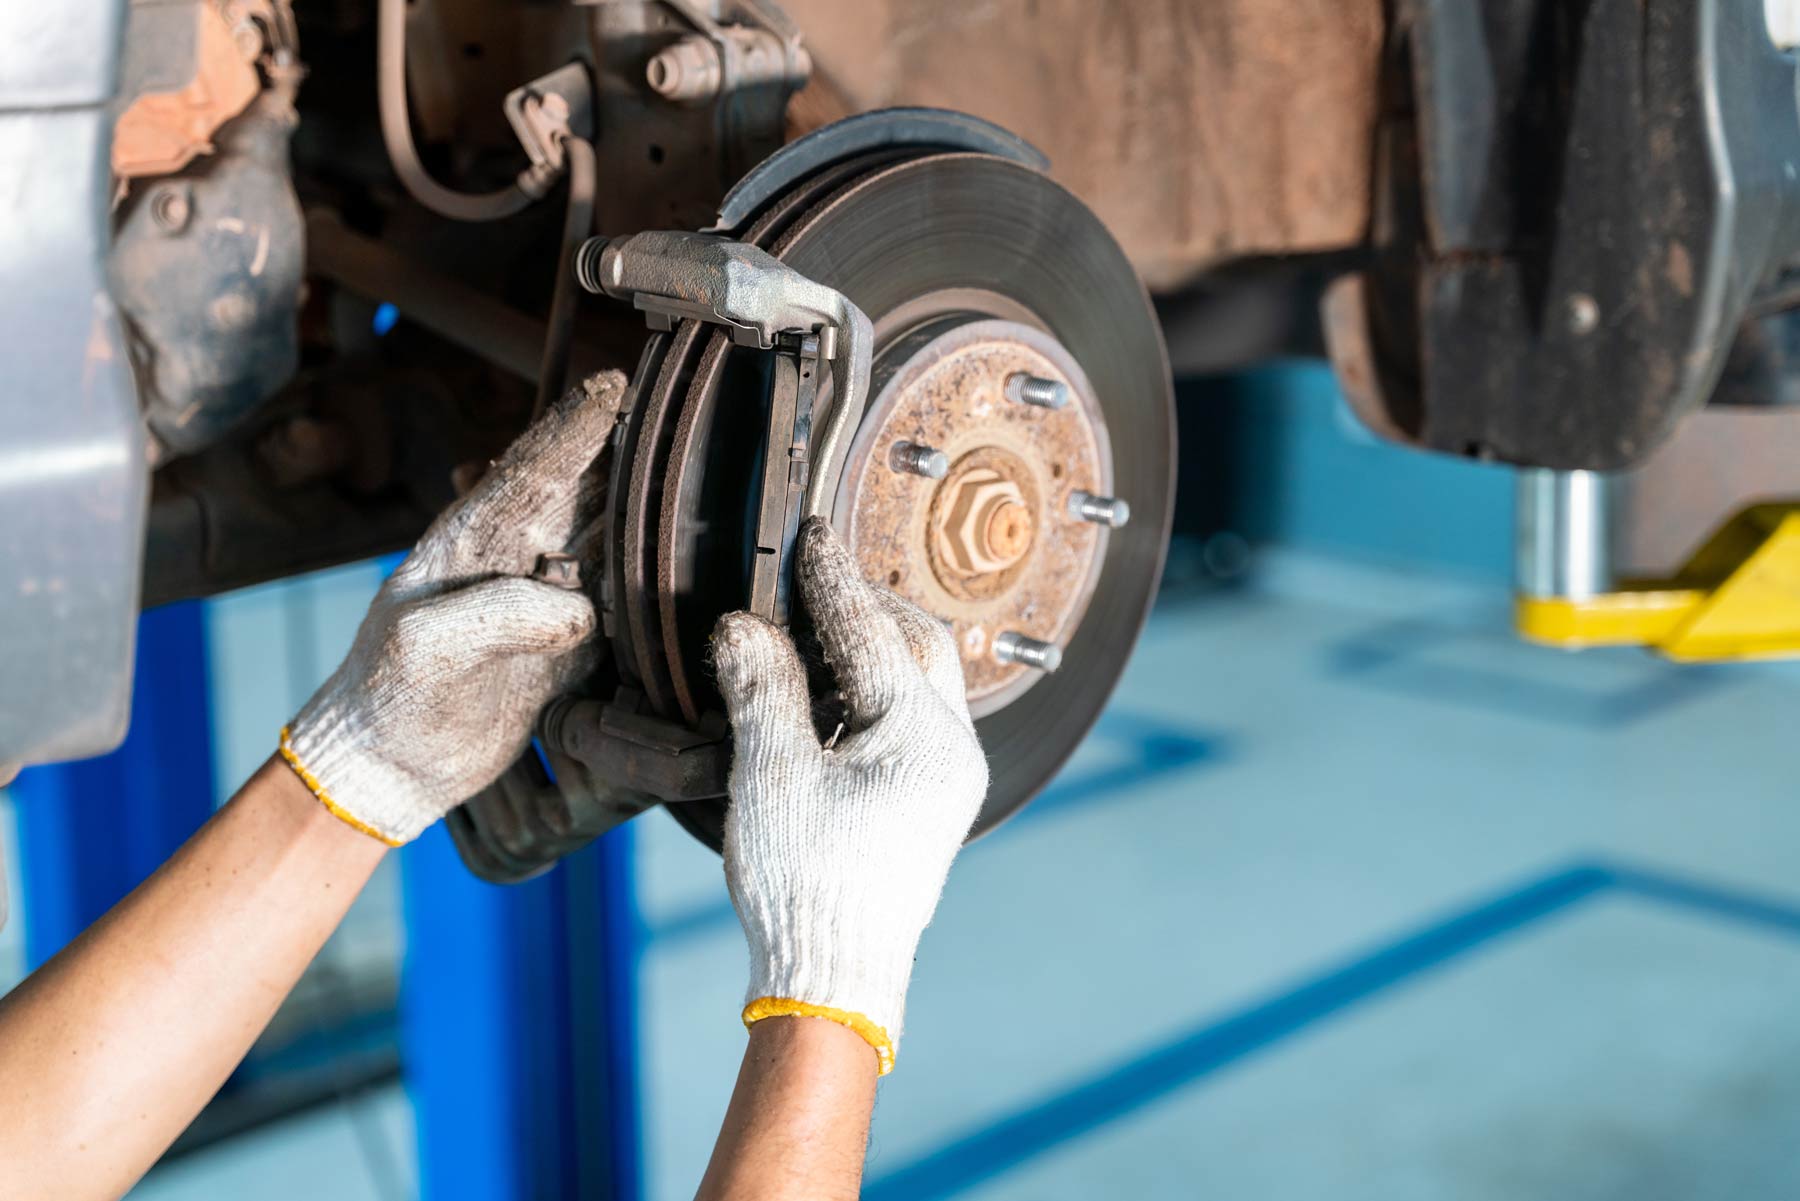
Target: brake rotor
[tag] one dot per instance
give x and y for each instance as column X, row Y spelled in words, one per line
column 974, row 269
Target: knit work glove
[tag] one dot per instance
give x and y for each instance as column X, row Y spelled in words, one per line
column 460, row 649
column 836, row 853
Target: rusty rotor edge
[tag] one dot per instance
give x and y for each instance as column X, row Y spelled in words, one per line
column 1130, row 349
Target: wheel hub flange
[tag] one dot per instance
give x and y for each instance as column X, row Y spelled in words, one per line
column 993, row 546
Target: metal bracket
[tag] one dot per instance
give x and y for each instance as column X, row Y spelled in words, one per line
column 675, row 275
column 607, row 763
column 549, row 109
column 746, row 68
column 637, row 752
column 1734, row 599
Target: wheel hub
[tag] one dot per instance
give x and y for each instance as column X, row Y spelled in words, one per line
column 993, row 546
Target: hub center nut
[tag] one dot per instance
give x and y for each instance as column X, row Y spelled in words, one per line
column 986, row 526
column 982, row 532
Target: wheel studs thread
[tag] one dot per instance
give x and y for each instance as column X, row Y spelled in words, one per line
column 1014, row 647
column 916, row 459
column 1101, row 510
column 1035, row 390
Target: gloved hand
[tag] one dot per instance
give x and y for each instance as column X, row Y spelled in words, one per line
column 836, row 853
column 460, row 648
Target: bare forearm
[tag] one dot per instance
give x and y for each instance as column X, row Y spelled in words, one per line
column 798, row 1124
column 109, row 1050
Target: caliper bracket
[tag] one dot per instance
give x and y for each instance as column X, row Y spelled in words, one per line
column 673, row 275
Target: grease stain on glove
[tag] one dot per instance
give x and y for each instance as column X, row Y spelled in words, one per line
column 460, row 650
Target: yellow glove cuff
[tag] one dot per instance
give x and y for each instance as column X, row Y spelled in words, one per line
column 336, row 810
column 875, row 1036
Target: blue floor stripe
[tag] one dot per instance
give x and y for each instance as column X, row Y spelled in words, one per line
column 1005, row 1144
column 1780, row 915
column 1397, row 657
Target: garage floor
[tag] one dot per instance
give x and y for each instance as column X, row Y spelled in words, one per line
column 1350, row 896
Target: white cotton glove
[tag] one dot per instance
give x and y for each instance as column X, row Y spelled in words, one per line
column 836, row 854
column 460, row 648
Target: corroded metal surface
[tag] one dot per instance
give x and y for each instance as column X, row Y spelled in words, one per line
column 642, row 500
column 679, row 531
column 984, row 523
column 162, row 130
column 906, row 238
column 945, row 544
column 921, row 244
column 1197, row 131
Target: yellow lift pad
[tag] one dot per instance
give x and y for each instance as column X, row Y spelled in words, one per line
column 1737, row 598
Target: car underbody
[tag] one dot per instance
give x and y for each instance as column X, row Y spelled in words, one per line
column 280, row 280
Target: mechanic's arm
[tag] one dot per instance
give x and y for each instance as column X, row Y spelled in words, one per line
column 835, row 853
column 109, row 1050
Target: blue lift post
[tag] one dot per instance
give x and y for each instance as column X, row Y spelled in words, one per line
column 517, row 1026
column 517, row 1003
column 91, row 831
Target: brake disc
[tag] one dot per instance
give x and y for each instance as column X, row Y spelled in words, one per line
column 977, row 272
column 974, row 269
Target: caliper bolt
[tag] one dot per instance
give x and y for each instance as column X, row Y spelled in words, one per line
column 1101, row 510
column 1014, row 647
column 1034, row 390
column 915, row 459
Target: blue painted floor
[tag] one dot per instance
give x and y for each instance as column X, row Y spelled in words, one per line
column 1386, row 913
column 1351, row 895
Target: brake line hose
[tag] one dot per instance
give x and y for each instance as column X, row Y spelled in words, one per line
column 396, row 131
column 578, row 221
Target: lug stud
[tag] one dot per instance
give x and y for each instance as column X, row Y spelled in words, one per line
column 1014, row 647
column 915, row 459
column 1035, row 390
column 1101, row 510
